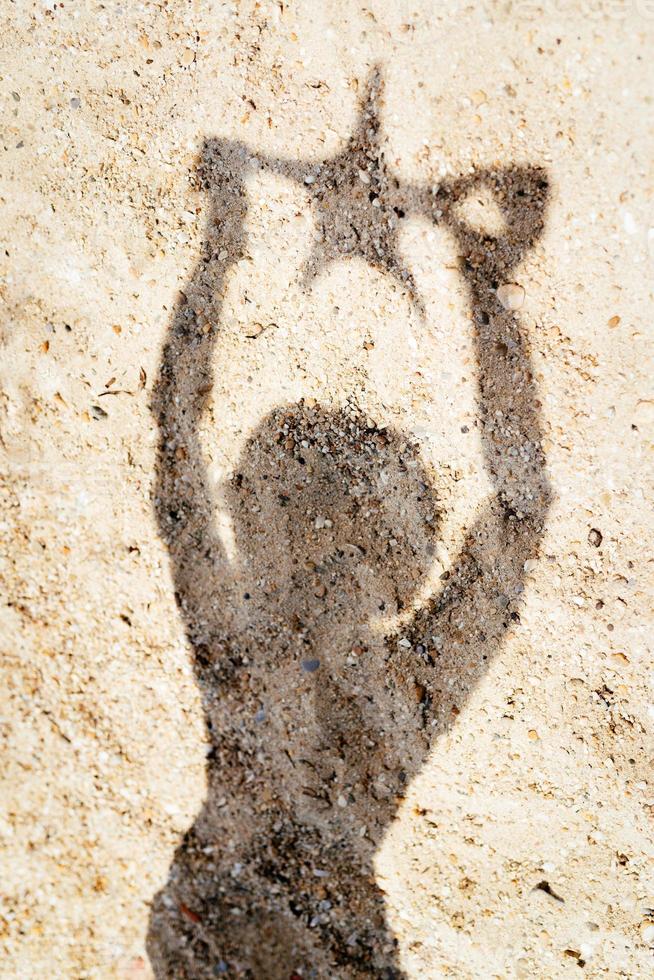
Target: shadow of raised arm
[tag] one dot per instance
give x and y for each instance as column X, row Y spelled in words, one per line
column 184, row 503
column 455, row 634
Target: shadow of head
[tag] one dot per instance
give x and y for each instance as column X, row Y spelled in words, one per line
column 334, row 520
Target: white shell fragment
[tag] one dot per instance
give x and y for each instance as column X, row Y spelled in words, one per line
column 511, row 295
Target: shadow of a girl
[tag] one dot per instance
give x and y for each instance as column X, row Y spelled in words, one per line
column 316, row 719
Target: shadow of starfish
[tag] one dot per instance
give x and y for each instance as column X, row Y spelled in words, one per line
column 357, row 202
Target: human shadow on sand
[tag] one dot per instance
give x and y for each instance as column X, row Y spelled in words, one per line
column 316, row 720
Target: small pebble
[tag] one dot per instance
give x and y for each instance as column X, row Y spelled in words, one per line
column 322, row 522
column 619, row 658
column 629, row 223
column 594, row 537
column 511, row 295
column 310, row 666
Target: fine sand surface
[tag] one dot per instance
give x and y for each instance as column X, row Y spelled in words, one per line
column 326, row 425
